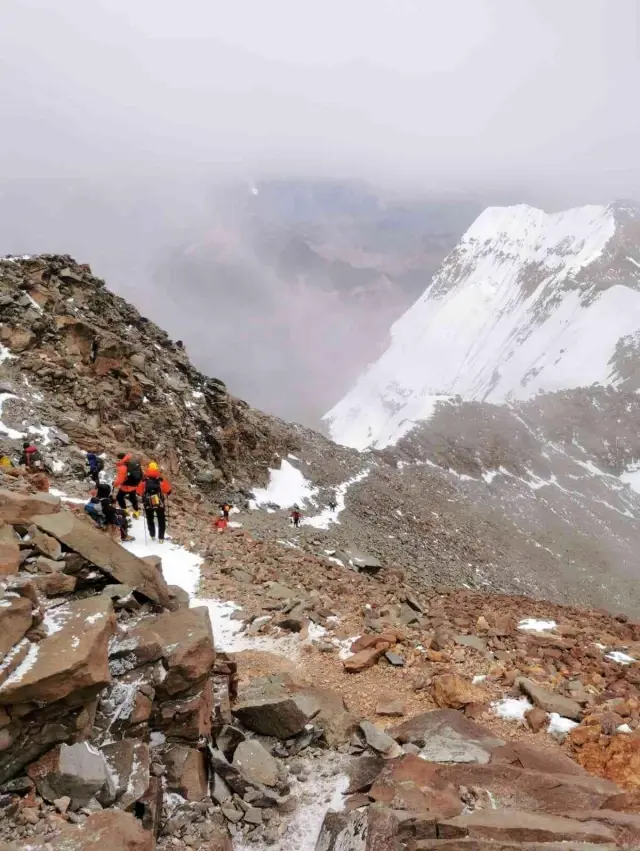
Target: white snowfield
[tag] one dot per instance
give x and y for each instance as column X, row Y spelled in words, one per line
column 515, row 310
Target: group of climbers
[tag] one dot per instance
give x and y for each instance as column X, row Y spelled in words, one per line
column 108, row 504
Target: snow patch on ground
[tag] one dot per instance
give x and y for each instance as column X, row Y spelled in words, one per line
column 559, row 726
column 179, row 565
column 286, row 487
column 536, row 625
column 619, row 657
column 324, row 791
column 327, row 517
column 63, row 496
column 512, row 708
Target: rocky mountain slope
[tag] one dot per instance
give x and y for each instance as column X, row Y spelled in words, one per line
column 527, row 303
column 225, row 690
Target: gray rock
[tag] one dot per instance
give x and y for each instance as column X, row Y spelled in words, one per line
column 256, row 763
column 379, row 741
column 253, row 816
column 231, row 814
column 473, row 641
column 279, row 716
column 80, row 773
column 445, row 735
column 394, row 659
column 549, row 701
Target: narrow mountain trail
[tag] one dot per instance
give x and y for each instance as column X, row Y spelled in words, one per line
column 323, row 790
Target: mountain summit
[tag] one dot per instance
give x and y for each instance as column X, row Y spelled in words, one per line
column 528, row 302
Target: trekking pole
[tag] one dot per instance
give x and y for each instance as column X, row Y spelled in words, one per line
column 144, row 526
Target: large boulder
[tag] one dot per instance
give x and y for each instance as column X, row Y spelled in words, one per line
column 445, row 735
column 527, row 789
column 410, row 783
column 20, row 508
column 521, row 826
column 187, row 640
column 112, row 829
column 101, row 550
column 282, row 716
column 15, row 621
column 78, row 771
column 73, row 656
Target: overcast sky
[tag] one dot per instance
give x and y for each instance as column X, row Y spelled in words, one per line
column 466, row 91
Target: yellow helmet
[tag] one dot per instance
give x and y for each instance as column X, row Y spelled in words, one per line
column 152, row 467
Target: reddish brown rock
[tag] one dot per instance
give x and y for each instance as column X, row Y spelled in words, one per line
column 410, row 783
column 536, row 718
column 617, row 760
column 364, row 659
column 72, row 657
column 15, row 622
column 524, row 788
column 55, row 584
column 112, row 829
column 188, row 650
column 537, row 758
column 452, row 691
column 9, row 557
column 19, row 509
column 187, row 772
column 522, row 826
column 105, row 553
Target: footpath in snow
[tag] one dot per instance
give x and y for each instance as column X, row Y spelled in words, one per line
column 288, row 486
column 181, row 567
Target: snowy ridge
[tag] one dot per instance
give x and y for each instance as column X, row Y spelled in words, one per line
column 527, row 303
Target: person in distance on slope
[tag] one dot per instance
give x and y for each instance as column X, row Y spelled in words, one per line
column 225, row 508
column 153, row 489
column 95, row 465
column 128, row 478
column 296, row 516
column 333, row 504
column 31, row 457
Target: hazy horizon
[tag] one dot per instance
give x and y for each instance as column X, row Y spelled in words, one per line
column 125, row 123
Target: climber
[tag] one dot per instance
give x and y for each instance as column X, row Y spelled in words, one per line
column 102, row 509
column 220, row 523
column 95, row 466
column 31, row 457
column 225, row 508
column 296, row 515
column 153, row 489
column 333, row 504
column 128, row 478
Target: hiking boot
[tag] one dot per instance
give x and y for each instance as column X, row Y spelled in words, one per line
column 136, row 514
column 128, row 538
column 161, row 541
column 152, row 539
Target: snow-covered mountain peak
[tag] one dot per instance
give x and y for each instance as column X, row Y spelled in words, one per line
column 527, row 302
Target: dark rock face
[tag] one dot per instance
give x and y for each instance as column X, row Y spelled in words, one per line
column 120, row 374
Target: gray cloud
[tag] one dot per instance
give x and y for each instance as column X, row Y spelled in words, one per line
column 468, row 90
column 131, row 134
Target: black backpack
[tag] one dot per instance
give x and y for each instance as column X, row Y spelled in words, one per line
column 153, row 496
column 134, row 472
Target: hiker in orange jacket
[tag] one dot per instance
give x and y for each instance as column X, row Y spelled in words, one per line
column 153, row 489
column 127, row 480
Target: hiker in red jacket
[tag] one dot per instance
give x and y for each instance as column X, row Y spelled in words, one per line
column 296, row 516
